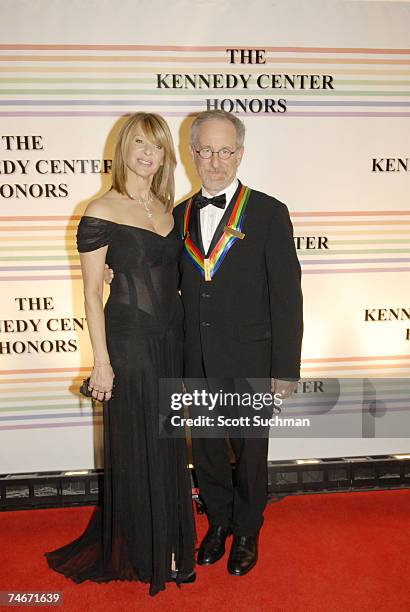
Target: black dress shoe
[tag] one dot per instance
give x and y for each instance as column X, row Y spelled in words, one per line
column 243, row 555
column 183, row 577
column 213, row 545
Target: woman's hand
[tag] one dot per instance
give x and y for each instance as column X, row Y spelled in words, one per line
column 108, row 274
column 101, row 382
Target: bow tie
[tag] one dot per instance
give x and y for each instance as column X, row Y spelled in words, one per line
column 219, row 201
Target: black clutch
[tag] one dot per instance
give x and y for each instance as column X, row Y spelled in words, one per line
column 84, row 390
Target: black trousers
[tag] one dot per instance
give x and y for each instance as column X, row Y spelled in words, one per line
column 234, row 499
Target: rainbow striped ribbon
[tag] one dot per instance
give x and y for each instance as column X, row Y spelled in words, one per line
column 232, row 232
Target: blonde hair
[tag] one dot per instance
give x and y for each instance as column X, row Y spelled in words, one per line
column 156, row 130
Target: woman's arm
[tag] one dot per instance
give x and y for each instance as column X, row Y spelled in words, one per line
column 102, row 376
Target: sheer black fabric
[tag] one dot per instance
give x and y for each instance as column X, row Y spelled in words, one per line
column 146, row 513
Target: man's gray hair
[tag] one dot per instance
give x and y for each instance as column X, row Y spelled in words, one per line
column 204, row 116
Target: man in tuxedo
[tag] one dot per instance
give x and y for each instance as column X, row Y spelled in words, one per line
column 240, row 285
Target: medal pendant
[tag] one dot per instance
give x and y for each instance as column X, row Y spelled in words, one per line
column 207, row 269
column 234, row 232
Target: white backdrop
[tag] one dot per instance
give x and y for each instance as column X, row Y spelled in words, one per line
column 70, row 71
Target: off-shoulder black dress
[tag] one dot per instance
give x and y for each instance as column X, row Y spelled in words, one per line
column 146, row 513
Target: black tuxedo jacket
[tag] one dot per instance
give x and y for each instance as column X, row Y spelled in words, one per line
column 247, row 321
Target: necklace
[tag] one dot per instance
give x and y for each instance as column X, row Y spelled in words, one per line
column 145, row 203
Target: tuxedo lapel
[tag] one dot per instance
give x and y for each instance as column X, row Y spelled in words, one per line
column 198, row 229
column 219, row 230
column 194, row 227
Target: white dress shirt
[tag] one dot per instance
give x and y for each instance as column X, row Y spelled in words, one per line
column 211, row 215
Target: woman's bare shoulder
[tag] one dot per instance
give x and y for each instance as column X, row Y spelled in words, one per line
column 102, row 207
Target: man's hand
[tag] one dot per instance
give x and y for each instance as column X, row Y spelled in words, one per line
column 108, row 274
column 284, row 388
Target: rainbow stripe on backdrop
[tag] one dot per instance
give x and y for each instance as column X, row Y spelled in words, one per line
column 212, row 263
column 48, row 398
column 42, row 247
column 80, row 80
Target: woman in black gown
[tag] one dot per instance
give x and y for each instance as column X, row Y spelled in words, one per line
column 144, row 529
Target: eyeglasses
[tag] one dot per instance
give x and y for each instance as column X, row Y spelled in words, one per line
column 207, row 153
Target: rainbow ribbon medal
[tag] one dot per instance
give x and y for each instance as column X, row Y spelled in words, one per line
column 232, row 232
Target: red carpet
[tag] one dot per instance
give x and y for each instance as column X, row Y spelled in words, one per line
column 345, row 552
